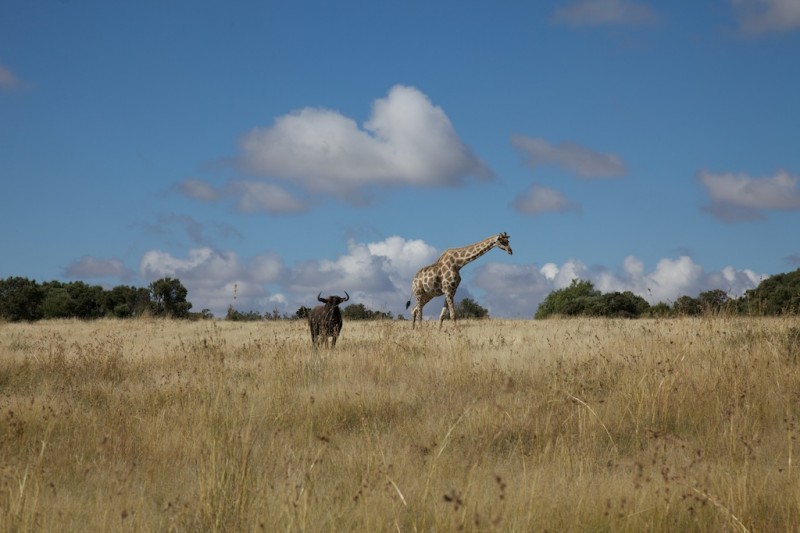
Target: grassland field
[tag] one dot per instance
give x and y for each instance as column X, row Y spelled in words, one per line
column 494, row 425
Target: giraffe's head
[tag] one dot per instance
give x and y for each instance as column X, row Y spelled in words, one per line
column 501, row 241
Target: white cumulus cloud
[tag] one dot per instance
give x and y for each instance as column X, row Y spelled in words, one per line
column 404, row 256
column 215, row 279
column 406, row 141
column 377, row 274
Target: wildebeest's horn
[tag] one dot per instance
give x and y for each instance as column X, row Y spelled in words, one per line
column 348, row 296
column 323, row 300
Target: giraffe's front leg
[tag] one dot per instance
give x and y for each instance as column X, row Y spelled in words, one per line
column 449, row 290
column 448, row 306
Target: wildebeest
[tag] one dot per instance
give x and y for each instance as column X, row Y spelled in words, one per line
column 326, row 320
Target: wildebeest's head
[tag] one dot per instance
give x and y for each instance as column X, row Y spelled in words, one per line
column 333, row 300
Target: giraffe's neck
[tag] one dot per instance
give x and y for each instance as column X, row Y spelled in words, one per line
column 467, row 254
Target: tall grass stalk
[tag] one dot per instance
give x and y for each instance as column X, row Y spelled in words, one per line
column 500, row 425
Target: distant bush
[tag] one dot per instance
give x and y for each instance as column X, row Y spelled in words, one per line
column 582, row 299
column 776, row 295
column 22, row 299
column 469, row 308
column 238, row 316
column 361, row 312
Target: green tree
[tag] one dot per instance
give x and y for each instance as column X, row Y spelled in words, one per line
column 687, row 306
column 361, row 312
column 580, row 298
column 775, row 295
column 302, row 313
column 356, row 312
column 714, row 301
column 623, row 305
column 238, row 316
column 126, row 302
column 660, row 310
column 87, row 300
column 168, row 298
column 72, row 300
column 56, row 301
column 469, row 308
column 20, row 299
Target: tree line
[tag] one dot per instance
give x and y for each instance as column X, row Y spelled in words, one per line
column 466, row 308
column 776, row 295
column 22, row 299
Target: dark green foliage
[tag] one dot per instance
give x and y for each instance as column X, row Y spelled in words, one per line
column 238, row 316
column 57, row 302
column 623, row 305
column 469, row 308
column 72, row 300
column 360, row 312
column 660, row 310
column 775, row 295
column 302, row 313
column 686, row 306
column 715, row 301
column 127, row 302
column 580, row 298
column 23, row 299
column 168, row 298
column 20, row 299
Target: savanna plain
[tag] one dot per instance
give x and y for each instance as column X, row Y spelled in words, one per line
column 494, row 425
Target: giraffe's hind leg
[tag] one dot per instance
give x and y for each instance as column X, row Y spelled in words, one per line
column 421, row 301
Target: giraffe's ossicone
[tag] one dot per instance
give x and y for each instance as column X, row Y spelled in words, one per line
column 442, row 277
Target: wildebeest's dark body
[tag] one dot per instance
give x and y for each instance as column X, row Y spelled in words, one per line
column 326, row 320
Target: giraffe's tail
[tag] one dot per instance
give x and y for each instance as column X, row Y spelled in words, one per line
column 408, row 304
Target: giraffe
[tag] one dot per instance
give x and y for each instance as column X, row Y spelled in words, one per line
column 442, row 277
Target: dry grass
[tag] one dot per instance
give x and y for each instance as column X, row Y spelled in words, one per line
column 563, row 425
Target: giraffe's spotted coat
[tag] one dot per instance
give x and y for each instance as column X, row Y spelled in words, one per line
column 442, row 277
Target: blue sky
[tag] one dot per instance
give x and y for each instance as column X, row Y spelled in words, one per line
column 270, row 150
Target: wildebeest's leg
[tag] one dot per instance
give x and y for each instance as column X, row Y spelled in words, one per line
column 313, row 334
